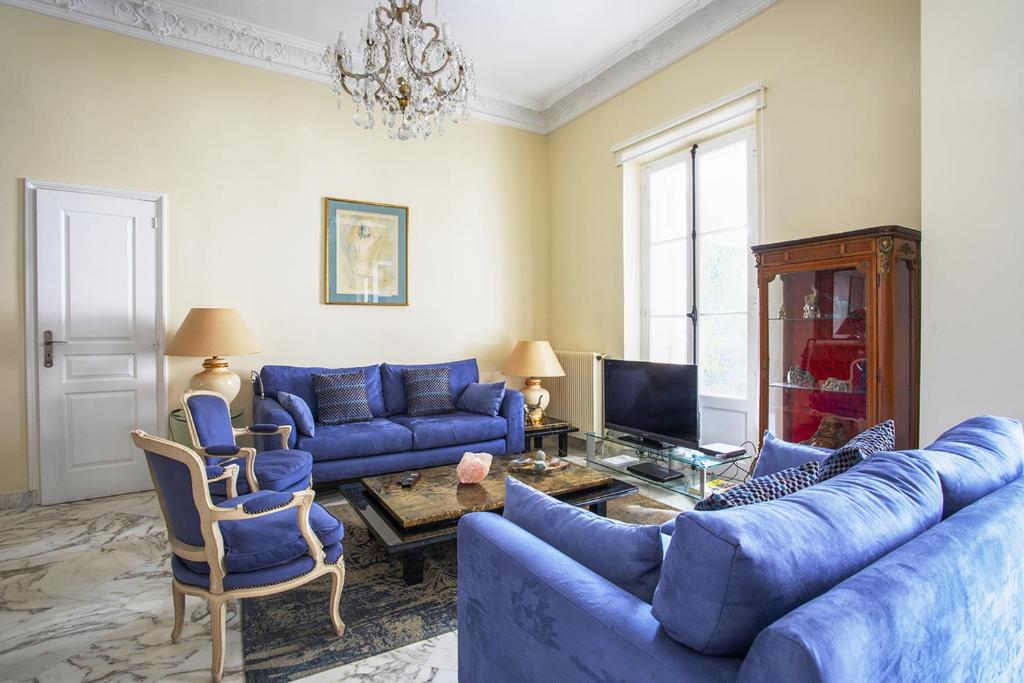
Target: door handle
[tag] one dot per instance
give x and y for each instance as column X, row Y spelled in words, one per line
column 48, row 342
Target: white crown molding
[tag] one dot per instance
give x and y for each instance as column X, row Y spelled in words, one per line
column 180, row 25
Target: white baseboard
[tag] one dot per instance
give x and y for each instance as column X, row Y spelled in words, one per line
column 16, row 500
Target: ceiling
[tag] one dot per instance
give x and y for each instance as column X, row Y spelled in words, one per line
column 525, row 51
column 539, row 63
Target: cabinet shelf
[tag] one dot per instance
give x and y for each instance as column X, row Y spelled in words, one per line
column 821, row 390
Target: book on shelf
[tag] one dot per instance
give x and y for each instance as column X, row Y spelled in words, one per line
column 621, row 460
column 712, row 487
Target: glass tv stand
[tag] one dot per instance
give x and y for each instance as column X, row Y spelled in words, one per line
column 615, row 452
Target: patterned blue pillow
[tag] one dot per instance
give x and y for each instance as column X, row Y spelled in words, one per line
column 427, row 391
column 880, row 438
column 761, row 489
column 341, row 398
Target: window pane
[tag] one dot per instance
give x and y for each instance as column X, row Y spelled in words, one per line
column 722, row 187
column 724, row 259
column 723, row 355
column 668, row 205
column 667, row 285
column 668, row 340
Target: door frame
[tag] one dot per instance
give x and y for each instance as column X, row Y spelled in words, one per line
column 31, row 345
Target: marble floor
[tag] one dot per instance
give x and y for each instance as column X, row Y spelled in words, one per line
column 85, row 596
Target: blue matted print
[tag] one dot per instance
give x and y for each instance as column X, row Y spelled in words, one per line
column 366, row 253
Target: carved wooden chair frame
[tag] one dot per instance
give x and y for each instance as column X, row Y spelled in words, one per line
column 212, row 551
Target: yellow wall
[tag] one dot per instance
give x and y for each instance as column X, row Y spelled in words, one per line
column 972, row 95
column 841, row 143
column 246, row 156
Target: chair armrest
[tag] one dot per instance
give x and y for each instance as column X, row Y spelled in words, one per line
column 512, row 409
column 221, row 472
column 221, row 449
column 266, row 429
column 516, row 592
column 269, row 411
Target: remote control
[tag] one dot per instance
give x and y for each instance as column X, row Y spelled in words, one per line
column 408, row 480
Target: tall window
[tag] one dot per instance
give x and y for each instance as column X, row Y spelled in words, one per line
column 697, row 224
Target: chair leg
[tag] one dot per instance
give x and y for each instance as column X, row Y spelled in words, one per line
column 179, row 612
column 218, row 609
column 337, row 582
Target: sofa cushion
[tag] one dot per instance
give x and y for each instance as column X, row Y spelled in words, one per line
column 300, row 412
column 341, row 398
column 435, row 431
column 379, row 435
column 484, row 399
column 763, row 489
column 975, row 458
column 728, row 574
column 299, row 381
column 628, row 555
column 461, row 374
column 777, row 455
column 427, row 392
column 258, row 543
column 880, row 438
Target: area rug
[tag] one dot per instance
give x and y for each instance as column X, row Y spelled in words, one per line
column 289, row 635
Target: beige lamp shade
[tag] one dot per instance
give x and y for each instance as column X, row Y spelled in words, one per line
column 212, row 332
column 533, row 359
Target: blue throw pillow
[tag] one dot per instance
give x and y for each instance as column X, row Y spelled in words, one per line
column 777, row 455
column 881, row 437
column 427, row 392
column 299, row 411
column 484, row 399
column 763, row 489
column 341, row 398
column 628, row 555
column 727, row 575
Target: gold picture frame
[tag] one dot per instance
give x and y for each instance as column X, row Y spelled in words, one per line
column 366, row 253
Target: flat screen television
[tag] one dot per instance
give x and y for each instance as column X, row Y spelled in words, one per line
column 652, row 402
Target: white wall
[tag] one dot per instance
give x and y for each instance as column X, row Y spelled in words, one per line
column 972, row 186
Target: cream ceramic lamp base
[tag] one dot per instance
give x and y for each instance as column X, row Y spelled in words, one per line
column 216, row 377
column 535, row 395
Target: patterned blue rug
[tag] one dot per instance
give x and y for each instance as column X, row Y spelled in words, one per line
column 289, row 635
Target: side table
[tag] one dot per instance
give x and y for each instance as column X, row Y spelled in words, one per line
column 549, row 426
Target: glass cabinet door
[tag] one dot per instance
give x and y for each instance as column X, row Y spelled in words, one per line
column 817, row 355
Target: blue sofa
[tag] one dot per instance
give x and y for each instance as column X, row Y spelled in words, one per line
column 392, row 441
column 908, row 567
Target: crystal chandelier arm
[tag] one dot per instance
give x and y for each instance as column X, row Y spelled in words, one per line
column 436, row 39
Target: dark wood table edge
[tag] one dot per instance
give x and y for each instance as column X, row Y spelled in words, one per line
column 535, row 436
column 410, row 552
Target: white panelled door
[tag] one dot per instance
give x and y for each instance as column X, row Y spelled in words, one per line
column 97, row 289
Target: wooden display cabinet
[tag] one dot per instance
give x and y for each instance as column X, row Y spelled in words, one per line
column 840, row 332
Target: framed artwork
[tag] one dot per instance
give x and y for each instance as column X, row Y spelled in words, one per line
column 366, row 253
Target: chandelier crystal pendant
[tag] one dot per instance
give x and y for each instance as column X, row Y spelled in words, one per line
column 409, row 70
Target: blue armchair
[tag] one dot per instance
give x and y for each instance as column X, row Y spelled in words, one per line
column 213, row 436
column 250, row 546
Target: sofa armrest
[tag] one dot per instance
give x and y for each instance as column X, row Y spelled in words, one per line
column 527, row 612
column 269, row 411
column 512, row 409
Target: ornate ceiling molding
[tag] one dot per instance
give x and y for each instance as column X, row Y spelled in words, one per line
column 180, row 25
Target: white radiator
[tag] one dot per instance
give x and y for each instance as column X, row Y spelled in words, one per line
column 577, row 397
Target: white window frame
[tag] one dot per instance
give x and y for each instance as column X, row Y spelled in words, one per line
column 748, row 404
column 645, row 248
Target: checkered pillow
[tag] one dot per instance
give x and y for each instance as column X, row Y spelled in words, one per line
column 341, row 398
column 881, row 437
column 427, row 392
column 761, row 489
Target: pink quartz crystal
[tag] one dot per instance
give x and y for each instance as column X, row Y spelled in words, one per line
column 473, row 467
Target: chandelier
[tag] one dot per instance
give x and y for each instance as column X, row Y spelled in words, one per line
column 409, row 70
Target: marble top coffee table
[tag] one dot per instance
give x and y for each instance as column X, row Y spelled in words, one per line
column 408, row 521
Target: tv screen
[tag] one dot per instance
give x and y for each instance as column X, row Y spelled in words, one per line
column 652, row 401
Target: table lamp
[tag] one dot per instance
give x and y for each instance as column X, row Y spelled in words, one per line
column 214, row 333
column 533, row 360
